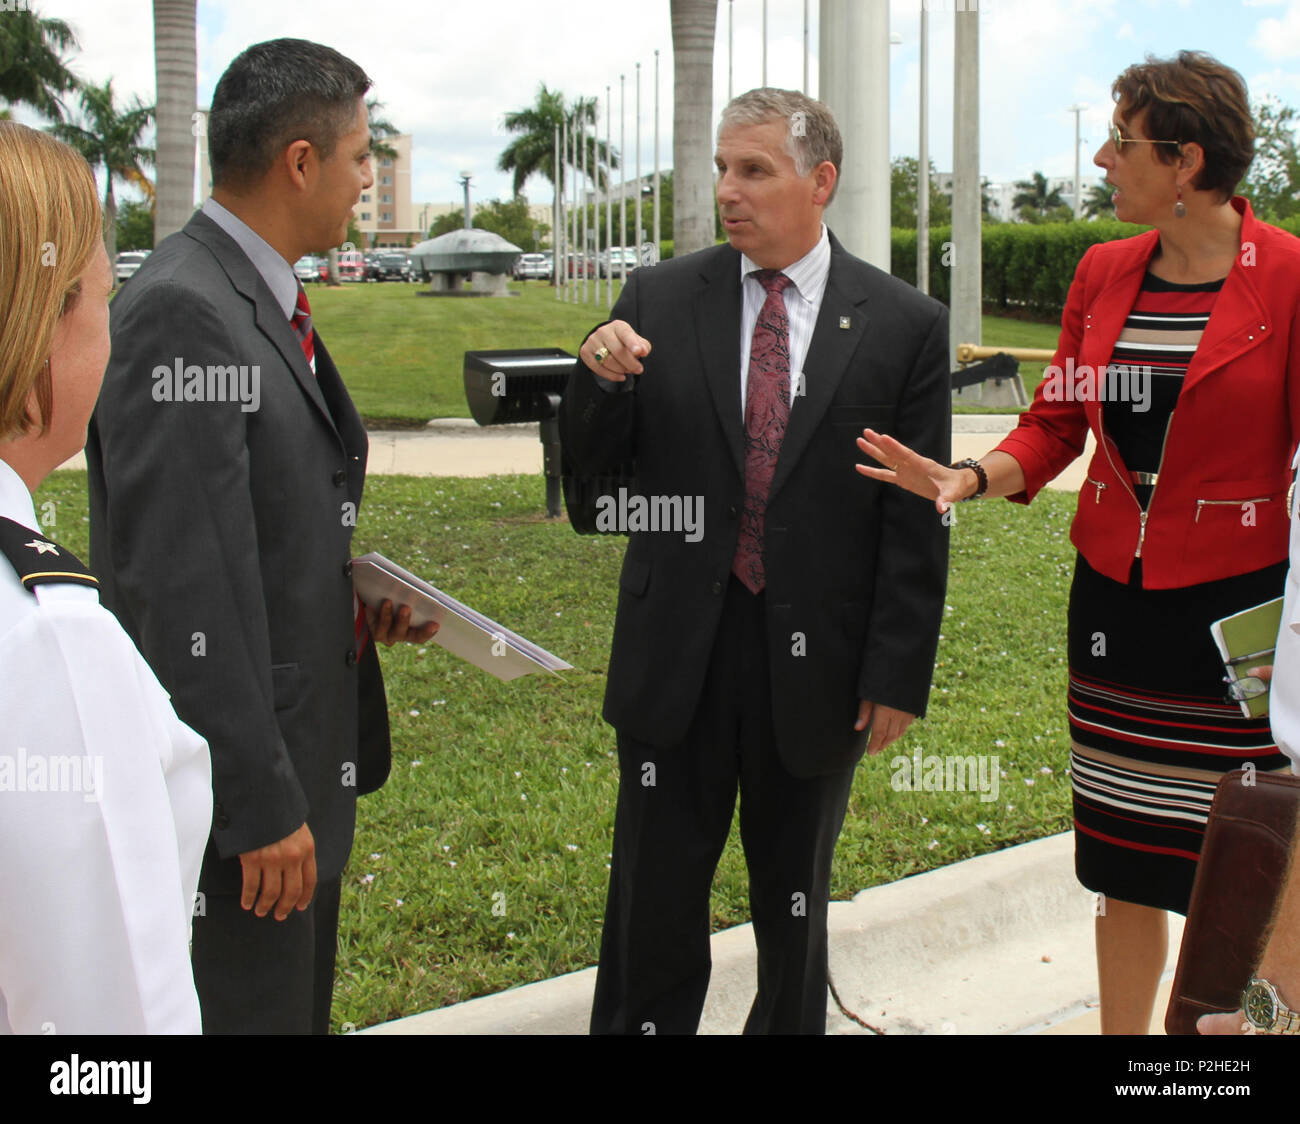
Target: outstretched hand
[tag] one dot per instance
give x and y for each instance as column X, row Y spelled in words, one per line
column 917, row 474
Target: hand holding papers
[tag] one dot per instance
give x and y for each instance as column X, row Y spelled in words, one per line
column 1244, row 640
column 463, row 632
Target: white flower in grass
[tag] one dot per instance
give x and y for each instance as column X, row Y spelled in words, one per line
column 367, row 878
column 415, row 714
column 518, row 773
column 1045, row 771
column 400, row 902
column 933, row 844
column 999, row 743
column 375, row 855
column 570, row 846
column 1029, row 781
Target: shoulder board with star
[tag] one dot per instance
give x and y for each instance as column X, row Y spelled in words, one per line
column 39, row 561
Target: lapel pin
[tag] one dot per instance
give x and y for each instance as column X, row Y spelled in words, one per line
column 845, row 322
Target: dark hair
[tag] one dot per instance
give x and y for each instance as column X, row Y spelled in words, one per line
column 276, row 93
column 1194, row 97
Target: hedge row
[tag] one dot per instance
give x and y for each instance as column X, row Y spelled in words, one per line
column 1026, row 266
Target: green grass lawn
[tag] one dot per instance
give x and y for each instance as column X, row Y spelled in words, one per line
column 482, row 863
column 403, row 354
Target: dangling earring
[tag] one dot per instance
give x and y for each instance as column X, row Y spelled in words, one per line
column 1180, row 208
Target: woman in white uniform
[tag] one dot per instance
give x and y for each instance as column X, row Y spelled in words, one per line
column 105, row 796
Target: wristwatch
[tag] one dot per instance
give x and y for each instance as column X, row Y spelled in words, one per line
column 1265, row 1010
column 980, row 475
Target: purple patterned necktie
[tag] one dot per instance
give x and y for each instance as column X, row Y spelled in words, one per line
column 767, row 409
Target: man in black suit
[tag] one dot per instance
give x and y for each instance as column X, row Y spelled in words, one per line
column 226, row 468
column 800, row 628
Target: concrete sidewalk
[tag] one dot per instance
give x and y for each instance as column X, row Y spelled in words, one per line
column 460, row 447
column 1000, row 944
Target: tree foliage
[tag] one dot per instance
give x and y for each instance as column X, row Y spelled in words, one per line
column 108, row 136
column 1035, row 202
column 135, row 225
column 533, row 149
column 32, row 70
column 1273, row 181
column 903, row 174
column 1099, row 201
column 510, row 219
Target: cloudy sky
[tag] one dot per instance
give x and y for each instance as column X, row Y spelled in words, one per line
column 448, row 70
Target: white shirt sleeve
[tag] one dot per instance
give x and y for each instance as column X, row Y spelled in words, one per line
column 105, row 808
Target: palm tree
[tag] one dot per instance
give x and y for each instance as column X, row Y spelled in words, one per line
column 1033, row 200
column 380, row 128
column 32, row 70
column 1099, row 200
column 175, row 66
column 694, row 25
column 109, row 137
column 533, row 150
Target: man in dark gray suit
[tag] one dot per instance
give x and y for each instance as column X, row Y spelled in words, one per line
column 763, row 653
column 226, row 468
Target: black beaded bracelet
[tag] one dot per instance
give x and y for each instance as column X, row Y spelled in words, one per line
column 972, row 463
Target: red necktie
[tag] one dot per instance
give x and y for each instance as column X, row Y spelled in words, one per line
column 300, row 321
column 767, row 409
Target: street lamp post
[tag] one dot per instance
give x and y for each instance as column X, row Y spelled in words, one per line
column 1078, row 203
column 465, row 177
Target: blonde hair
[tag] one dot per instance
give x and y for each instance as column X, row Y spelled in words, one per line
column 50, row 224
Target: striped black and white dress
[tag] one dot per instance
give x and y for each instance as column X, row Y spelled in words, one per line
column 1151, row 730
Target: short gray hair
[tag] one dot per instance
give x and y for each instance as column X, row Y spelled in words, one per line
column 813, row 136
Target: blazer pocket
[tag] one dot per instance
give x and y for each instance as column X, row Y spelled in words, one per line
column 287, row 682
column 862, row 417
column 635, row 576
column 1217, row 495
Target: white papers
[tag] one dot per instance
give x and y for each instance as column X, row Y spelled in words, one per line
column 463, row 632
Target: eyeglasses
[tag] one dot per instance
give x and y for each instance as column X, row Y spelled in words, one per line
column 1119, row 140
column 1248, row 687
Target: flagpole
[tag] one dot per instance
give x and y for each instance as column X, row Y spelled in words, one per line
column 622, row 178
column 639, row 226
column 582, row 141
column 609, row 201
column 555, row 219
column 656, row 210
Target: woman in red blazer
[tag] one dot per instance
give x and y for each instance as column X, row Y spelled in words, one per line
column 1180, row 352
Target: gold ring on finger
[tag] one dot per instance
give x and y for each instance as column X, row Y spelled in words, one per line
column 602, row 353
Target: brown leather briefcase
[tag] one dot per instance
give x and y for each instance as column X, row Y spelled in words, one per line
column 1243, row 859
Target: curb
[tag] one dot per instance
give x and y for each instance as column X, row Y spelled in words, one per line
column 1001, row 943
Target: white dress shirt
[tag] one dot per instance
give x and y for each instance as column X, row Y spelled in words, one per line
column 97, row 879
column 275, row 271
column 1284, row 692
column 803, row 301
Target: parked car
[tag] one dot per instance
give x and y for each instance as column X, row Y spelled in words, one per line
column 534, row 266
column 128, row 261
column 307, row 269
column 616, row 257
column 392, row 265
column 352, row 266
column 581, row 265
